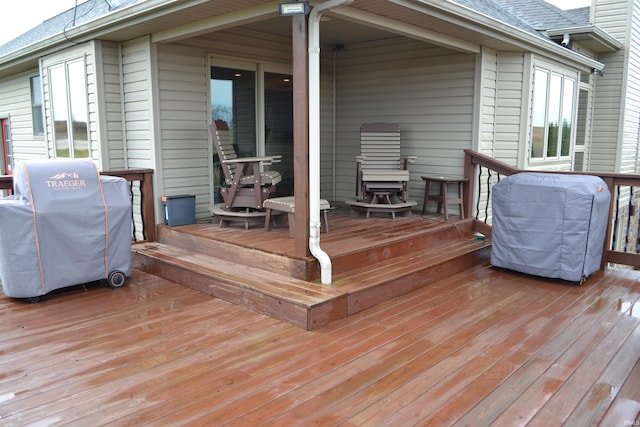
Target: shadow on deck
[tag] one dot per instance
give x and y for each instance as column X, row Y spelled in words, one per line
column 373, row 260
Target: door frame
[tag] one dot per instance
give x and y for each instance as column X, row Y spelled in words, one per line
column 7, row 149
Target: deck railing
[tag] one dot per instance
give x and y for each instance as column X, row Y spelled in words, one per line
column 140, row 192
column 622, row 242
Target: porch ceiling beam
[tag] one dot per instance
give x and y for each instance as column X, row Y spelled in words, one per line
column 217, row 23
column 404, row 29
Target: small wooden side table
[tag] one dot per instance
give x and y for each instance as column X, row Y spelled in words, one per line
column 443, row 198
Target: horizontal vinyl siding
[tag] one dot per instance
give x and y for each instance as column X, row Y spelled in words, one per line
column 92, row 105
column 608, row 119
column 427, row 90
column 629, row 156
column 113, row 101
column 488, row 101
column 611, row 16
column 15, row 104
column 137, row 105
column 510, row 91
column 182, row 77
column 254, row 47
column 327, row 111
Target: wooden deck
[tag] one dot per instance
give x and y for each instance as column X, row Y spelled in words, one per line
column 373, row 260
column 480, row 347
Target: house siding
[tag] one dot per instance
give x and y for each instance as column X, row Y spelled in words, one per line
column 15, row 104
column 328, row 111
column 510, row 119
column 488, row 100
column 611, row 144
column 184, row 120
column 112, row 123
column 629, row 157
column 137, row 103
column 427, row 90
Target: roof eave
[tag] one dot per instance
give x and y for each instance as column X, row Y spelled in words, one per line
column 603, row 40
column 484, row 24
column 25, row 57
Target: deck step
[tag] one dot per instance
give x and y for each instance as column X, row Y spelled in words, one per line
column 305, row 304
column 195, row 238
column 200, row 238
column 368, row 285
column 309, row 304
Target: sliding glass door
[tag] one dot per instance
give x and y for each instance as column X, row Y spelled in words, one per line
column 278, row 122
column 258, row 108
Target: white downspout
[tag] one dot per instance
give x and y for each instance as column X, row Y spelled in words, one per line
column 314, row 137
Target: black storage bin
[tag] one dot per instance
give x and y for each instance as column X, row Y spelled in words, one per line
column 179, row 210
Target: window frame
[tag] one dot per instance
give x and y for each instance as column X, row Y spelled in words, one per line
column 68, row 104
column 37, row 109
column 563, row 76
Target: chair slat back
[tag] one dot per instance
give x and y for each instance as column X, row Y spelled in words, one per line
column 224, row 147
column 380, row 145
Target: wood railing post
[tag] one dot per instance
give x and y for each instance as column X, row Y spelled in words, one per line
column 148, row 211
column 468, row 188
column 606, row 250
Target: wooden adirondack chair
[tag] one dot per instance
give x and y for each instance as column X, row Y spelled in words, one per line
column 248, row 180
column 382, row 175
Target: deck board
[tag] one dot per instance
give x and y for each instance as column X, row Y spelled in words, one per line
column 483, row 347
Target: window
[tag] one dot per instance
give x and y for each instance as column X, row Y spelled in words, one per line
column 552, row 121
column 70, row 112
column 37, row 117
column 251, row 98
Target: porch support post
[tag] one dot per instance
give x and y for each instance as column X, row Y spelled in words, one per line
column 299, row 37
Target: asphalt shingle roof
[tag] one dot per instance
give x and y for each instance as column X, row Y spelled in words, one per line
column 85, row 12
column 533, row 16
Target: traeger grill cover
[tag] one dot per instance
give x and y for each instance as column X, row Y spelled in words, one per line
column 65, row 225
column 549, row 225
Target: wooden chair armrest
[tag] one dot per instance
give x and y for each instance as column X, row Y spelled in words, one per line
column 267, row 160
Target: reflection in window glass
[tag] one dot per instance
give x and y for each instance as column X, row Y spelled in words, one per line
column 233, row 99
column 552, row 115
column 36, row 106
column 233, row 94
column 70, row 111
column 567, row 117
column 58, row 83
column 539, row 113
column 78, row 101
column 278, row 106
column 555, row 93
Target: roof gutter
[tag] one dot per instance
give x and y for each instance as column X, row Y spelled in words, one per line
column 314, row 137
column 478, row 22
column 592, row 32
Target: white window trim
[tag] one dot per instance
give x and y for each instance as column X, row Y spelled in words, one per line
column 566, row 73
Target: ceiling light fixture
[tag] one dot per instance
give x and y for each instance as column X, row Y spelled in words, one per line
column 293, row 8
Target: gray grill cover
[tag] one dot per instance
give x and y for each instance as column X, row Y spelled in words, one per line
column 64, row 225
column 549, row 225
